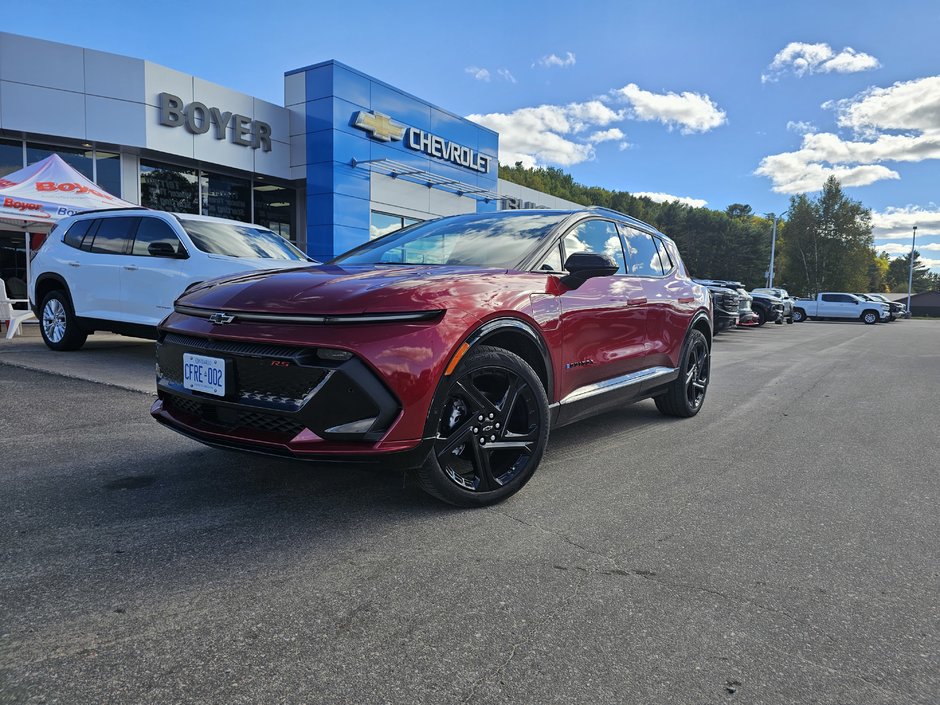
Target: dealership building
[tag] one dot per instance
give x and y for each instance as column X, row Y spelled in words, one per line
column 346, row 158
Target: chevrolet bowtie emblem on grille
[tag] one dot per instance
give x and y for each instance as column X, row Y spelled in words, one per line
column 221, row 318
column 379, row 125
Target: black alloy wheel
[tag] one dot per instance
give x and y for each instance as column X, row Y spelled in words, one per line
column 686, row 394
column 491, row 429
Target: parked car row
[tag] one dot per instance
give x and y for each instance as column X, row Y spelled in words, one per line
column 734, row 306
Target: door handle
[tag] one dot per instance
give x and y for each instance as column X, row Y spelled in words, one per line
column 639, row 301
column 74, row 264
column 130, row 267
column 686, row 299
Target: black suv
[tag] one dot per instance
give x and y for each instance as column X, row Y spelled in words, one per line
column 725, row 305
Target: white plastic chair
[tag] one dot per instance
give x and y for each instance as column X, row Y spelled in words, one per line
column 14, row 317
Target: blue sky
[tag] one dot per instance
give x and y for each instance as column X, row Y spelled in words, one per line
column 686, row 99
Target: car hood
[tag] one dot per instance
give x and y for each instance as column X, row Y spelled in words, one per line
column 332, row 289
column 257, row 263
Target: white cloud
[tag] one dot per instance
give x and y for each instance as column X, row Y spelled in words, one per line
column 932, row 264
column 614, row 133
column 624, row 146
column 912, row 106
column 898, row 223
column 691, row 112
column 900, row 123
column 669, row 198
column 801, row 59
column 506, row 75
column 553, row 60
column 559, row 134
column 896, row 248
column 800, row 126
column 478, row 73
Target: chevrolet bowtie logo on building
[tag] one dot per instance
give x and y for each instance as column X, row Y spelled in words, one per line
column 379, row 125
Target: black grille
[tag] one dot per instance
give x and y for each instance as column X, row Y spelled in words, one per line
column 230, row 347
column 264, row 374
column 231, row 419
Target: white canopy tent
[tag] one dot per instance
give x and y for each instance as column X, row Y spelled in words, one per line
column 36, row 197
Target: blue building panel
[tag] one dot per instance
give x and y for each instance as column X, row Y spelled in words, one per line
column 338, row 194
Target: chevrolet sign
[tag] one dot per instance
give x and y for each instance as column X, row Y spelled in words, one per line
column 383, row 128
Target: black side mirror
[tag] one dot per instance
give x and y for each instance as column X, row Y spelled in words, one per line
column 163, row 249
column 582, row 266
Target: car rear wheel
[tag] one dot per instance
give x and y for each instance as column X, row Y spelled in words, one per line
column 870, row 318
column 686, row 394
column 58, row 325
column 799, row 315
column 490, row 421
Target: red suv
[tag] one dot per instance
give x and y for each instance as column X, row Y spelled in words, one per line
column 451, row 346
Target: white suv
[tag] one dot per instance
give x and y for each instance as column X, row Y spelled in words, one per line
column 121, row 270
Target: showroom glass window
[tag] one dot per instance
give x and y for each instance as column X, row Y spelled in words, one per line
column 81, row 159
column 108, row 172
column 384, row 223
column 598, row 236
column 276, row 209
column 226, row 197
column 169, row 188
column 11, row 156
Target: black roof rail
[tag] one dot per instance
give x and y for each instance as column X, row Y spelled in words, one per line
column 108, row 210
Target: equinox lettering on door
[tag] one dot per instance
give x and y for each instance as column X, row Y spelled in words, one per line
column 384, row 129
column 197, row 119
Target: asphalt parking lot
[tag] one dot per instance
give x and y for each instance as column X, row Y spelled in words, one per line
column 781, row 547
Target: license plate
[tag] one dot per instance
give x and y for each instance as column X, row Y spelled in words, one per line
column 204, row 374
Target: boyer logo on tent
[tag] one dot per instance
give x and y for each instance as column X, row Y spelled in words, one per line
column 71, row 187
column 36, row 209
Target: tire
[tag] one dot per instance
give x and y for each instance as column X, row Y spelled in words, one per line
column 869, row 318
column 789, row 320
column 474, row 462
column 685, row 396
column 799, row 315
column 57, row 323
column 761, row 318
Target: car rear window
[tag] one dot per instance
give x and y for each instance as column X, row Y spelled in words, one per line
column 76, row 233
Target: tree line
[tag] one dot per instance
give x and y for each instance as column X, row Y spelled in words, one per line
column 823, row 243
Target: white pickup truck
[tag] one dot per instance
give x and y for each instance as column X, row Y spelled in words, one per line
column 832, row 304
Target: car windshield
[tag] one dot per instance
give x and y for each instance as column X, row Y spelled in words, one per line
column 484, row 240
column 236, row 240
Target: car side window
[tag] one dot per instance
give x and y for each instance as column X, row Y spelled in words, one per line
column 642, row 255
column 113, row 235
column 597, row 236
column 664, row 259
column 552, row 261
column 76, row 233
column 153, row 230
column 829, row 297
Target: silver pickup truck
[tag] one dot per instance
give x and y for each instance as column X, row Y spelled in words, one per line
column 832, row 304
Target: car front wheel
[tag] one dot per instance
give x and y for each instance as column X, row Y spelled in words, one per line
column 686, row 394
column 59, row 326
column 799, row 315
column 490, row 421
column 870, row 318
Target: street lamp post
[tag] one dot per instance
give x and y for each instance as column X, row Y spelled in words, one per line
column 910, row 274
column 773, row 247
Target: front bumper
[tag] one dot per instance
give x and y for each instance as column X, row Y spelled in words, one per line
column 283, row 400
